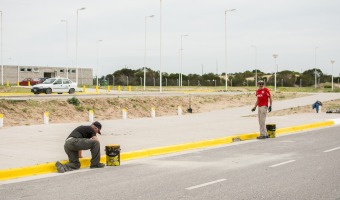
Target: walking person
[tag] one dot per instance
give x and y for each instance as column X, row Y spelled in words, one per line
column 263, row 97
column 82, row 138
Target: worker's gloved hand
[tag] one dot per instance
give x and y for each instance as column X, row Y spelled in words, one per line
column 253, row 109
column 269, row 109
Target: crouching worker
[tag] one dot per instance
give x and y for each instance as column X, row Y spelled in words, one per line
column 316, row 106
column 82, row 138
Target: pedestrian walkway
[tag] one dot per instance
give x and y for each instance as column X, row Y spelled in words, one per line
column 37, row 144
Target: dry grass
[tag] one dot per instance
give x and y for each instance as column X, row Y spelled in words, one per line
column 28, row 112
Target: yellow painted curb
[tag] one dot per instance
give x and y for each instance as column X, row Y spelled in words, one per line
column 304, row 127
column 13, row 173
column 175, row 148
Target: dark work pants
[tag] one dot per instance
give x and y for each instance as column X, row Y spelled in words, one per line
column 73, row 145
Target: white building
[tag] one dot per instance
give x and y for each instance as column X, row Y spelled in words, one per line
column 14, row 74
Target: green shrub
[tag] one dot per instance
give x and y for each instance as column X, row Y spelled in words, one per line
column 74, row 101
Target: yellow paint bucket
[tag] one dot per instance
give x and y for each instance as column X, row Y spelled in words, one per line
column 271, row 128
column 112, row 155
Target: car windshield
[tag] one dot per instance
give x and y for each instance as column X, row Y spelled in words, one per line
column 49, row 81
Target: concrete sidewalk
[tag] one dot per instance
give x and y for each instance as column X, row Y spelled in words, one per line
column 30, row 145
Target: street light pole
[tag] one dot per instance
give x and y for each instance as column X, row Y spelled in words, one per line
column 255, row 48
column 181, row 76
column 77, row 44
column 2, row 66
column 332, row 61
column 145, row 50
column 160, row 46
column 315, row 73
column 97, row 60
column 180, row 65
column 225, row 49
column 66, row 23
column 275, row 56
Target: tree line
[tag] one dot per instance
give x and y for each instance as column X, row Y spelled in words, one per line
column 284, row 78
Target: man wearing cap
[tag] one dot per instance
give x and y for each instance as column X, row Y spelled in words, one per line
column 263, row 96
column 82, row 138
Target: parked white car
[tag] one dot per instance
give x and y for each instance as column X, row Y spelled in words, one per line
column 57, row 85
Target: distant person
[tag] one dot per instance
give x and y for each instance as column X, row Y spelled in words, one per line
column 82, row 138
column 263, row 96
column 316, row 106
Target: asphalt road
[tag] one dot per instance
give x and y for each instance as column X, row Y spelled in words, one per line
column 295, row 166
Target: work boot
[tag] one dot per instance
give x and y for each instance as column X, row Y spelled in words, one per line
column 60, row 167
column 99, row 165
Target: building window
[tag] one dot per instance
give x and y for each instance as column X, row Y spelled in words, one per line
column 22, row 69
column 35, row 69
column 62, row 71
column 73, row 71
column 29, row 69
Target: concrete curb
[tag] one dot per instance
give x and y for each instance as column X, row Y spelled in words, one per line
column 49, row 167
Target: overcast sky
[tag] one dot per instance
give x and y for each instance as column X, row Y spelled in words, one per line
column 33, row 34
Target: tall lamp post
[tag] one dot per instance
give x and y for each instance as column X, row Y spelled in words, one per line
column 160, row 46
column 315, row 73
column 332, row 61
column 225, row 48
column 275, row 56
column 66, row 23
column 146, row 17
column 181, row 73
column 98, row 59
column 2, row 66
column 255, row 48
column 77, row 44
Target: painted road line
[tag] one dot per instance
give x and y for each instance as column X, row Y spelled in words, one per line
column 329, row 150
column 283, row 163
column 205, row 184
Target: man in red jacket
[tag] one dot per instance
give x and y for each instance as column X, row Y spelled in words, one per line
column 263, row 96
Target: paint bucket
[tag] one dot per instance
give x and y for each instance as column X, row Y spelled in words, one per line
column 271, row 128
column 112, row 155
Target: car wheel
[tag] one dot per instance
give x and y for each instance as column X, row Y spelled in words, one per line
column 71, row 91
column 36, row 93
column 48, row 91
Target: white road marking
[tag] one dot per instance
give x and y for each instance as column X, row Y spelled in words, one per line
column 329, row 150
column 283, row 163
column 205, row 184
